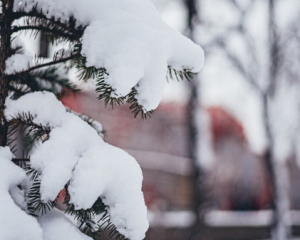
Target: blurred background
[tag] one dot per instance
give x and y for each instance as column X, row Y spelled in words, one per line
column 220, row 156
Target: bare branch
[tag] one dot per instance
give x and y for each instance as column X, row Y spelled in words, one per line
column 240, row 67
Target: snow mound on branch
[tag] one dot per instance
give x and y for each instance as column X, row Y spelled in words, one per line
column 130, row 40
column 95, row 169
column 12, row 216
column 43, row 113
column 19, row 61
column 56, row 226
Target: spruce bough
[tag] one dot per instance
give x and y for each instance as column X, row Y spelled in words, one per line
column 64, row 154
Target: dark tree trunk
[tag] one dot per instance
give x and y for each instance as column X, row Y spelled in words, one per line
column 193, row 114
column 6, row 21
column 197, row 230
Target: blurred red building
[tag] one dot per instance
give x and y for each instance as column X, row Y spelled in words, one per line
column 236, row 179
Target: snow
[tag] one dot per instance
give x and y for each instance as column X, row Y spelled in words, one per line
column 172, row 219
column 220, row 218
column 130, row 40
column 95, row 124
column 11, row 214
column 43, row 115
column 95, row 169
column 57, row 226
column 19, row 61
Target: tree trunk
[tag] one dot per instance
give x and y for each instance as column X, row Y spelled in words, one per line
column 6, row 21
column 193, row 114
column 277, row 167
column 198, row 175
column 280, row 183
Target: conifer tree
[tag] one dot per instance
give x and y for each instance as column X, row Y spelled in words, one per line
column 127, row 49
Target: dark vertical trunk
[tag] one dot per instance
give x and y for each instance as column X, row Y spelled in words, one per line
column 5, row 24
column 193, row 114
column 197, row 230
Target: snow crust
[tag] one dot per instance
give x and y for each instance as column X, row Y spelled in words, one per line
column 130, row 40
column 12, row 216
column 95, row 169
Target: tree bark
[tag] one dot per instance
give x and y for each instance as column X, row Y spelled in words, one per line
column 5, row 24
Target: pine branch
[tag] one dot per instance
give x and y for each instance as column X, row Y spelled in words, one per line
column 34, row 204
column 105, row 90
column 52, row 32
column 85, row 219
column 23, row 122
column 20, row 159
column 18, row 90
column 21, row 162
column 62, row 60
column 36, row 20
column 185, row 74
column 49, row 79
column 40, row 19
column 45, row 79
column 31, row 173
column 107, row 93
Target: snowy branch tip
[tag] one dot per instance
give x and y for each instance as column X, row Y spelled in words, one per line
column 76, row 153
column 129, row 39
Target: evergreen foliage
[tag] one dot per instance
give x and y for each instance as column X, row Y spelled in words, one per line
column 46, row 76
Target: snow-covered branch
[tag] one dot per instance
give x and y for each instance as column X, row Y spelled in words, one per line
column 84, row 159
column 143, row 45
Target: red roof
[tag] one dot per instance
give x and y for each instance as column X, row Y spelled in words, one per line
column 224, row 125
